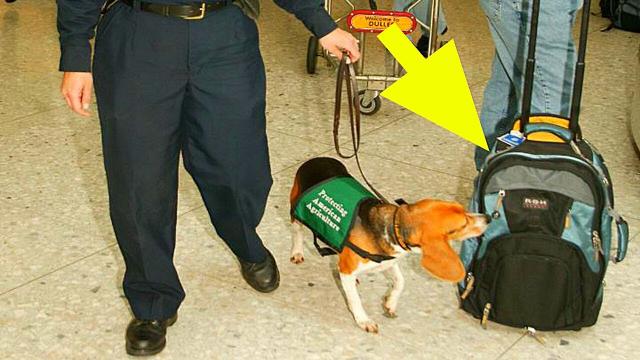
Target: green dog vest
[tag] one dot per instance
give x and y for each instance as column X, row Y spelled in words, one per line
column 330, row 207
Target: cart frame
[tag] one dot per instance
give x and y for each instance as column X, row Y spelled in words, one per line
column 369, row 95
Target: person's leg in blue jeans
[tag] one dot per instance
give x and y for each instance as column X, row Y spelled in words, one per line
column 499, row 108
column 422, row 11
column 509, row 22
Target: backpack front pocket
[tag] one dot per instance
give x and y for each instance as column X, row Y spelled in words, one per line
column 532, row 279
column 537, row 291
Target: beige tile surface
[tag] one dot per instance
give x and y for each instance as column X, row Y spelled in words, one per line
column 53, row 195
column 30, row 84
column 60, row 292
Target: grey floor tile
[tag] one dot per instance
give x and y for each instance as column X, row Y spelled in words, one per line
column 286, row 150
column 30, row 80
column 53, row 194
column 62, row 272
column 419, row 142
column 23, row 93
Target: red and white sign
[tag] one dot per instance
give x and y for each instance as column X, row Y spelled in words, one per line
column 377, row 21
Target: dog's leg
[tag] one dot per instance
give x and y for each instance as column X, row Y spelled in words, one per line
column 297, row 236
column 397, row 285
column 355, row 304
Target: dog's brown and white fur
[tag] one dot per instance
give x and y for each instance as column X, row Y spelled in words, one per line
column 425, row 227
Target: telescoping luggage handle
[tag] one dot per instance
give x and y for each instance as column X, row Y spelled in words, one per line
column 576, row 98
column 623, row 239
column 623, row 236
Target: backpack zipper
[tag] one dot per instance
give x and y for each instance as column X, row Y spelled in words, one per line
column 467, row 289
column 485, row 315
column 597, row 245
column 496, row 212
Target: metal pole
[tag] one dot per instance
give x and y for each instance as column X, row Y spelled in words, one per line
column 579, row 72
column 433, row 26
column 530, row 67
column 414, row 4
column 360, row 68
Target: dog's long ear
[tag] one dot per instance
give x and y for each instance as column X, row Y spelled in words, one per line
column 439, row 259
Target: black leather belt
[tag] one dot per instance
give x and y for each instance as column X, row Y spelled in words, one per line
column 194, row 11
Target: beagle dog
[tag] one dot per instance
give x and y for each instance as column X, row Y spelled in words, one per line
column 424, row 227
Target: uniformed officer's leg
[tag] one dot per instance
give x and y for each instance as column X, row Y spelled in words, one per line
column 225, row 148
column 140, row 78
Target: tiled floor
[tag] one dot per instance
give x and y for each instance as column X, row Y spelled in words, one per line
column 60, row 294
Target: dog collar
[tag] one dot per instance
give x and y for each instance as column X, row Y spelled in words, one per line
column 397, row 234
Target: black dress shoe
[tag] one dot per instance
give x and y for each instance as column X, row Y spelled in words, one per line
column 147, row 337
column 263, row 276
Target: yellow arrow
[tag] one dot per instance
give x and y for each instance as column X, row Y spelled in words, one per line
column 434, row 88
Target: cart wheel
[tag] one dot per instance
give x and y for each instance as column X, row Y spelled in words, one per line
column 372, row 107
column 312, row 55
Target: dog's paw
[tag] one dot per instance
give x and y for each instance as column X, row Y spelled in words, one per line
column 391, row 314
column 389, row 311
column 297, row 258
column 369, row 326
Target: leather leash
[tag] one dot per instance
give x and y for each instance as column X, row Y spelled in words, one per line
column 347, row 74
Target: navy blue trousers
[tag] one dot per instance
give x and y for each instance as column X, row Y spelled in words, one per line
column 167, row 86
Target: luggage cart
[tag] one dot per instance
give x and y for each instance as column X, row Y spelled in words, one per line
column 374, row 21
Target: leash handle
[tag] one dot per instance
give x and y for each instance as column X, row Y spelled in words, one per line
column 347, row 73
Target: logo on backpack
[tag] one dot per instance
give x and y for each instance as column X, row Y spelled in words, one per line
column 535, row 204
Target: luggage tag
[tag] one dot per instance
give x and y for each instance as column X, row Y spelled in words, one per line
column 514, row 138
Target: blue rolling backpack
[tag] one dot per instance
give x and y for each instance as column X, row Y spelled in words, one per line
column 541, row 263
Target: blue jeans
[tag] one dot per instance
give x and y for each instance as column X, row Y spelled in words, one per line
column 422, row 12
column 509, row 22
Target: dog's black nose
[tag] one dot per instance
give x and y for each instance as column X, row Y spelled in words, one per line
column 487, row 218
